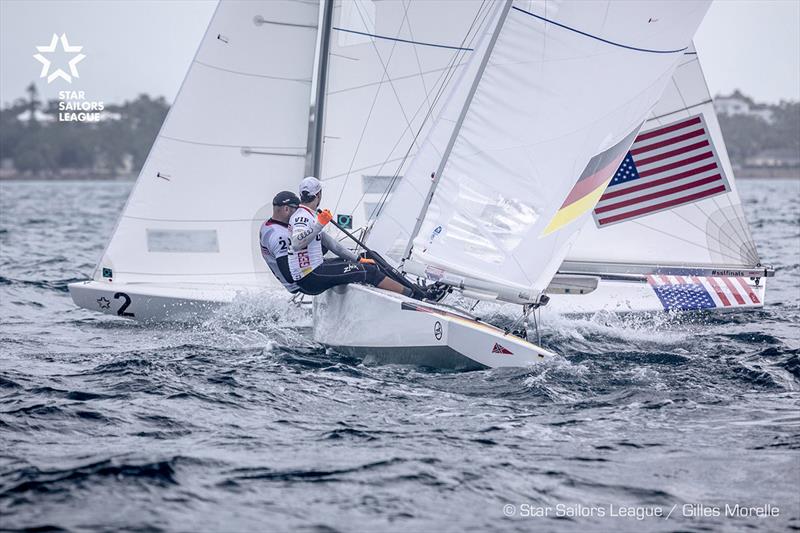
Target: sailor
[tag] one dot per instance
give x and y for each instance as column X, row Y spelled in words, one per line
column 275, row 238
column 313, row 274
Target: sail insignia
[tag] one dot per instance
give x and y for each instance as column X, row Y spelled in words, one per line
column 668, row 166
column 590, row 185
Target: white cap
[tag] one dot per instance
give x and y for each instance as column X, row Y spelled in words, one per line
column 311, row 186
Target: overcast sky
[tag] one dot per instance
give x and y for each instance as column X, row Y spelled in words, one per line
column 135, row 46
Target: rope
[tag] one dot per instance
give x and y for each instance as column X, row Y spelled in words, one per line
column 448, row 75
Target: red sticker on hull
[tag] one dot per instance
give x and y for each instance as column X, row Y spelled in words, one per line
column 501, row 349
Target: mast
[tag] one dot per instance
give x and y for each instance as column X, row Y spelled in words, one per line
column 438, row 175
column 317, row 114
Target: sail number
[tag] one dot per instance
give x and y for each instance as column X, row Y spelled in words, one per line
column 125, row 303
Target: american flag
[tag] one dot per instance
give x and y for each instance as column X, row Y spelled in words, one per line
column 668, row 166
column 687, row 293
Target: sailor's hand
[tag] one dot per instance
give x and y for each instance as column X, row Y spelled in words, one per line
column 365, row 261
column 324, row 216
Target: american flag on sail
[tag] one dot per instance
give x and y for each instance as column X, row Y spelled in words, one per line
column 689, row 293
column 669, row 166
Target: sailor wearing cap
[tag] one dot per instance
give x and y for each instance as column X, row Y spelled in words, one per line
column 313, row 274
column 275, row 238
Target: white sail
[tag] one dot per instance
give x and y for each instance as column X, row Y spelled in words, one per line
column 683, row 209
column 566, row 88
column 388, row 65
column 235, row 135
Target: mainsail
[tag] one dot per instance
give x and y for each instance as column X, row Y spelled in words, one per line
column 673, row 202
column 559, row 99
column 235, row 135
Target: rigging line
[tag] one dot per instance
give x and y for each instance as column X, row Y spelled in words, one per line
column 687, row 62
column 705, row 81
column 605, row 15
column 449, row 74
column 703, row 246
column 252, row 75
column 396, row 173
column 398, row 40
column 369, row 115
column 705, row 231
column 405, row 22
column 707, row 216
column 704, row 102
column 635, row 48
column 398, row 78
column 743, row 237
column 677, row 88
column 419, row 64
column 344, row 174
column 445, row 76
column 746, row 237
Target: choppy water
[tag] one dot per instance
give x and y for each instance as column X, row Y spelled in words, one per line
column 239, row 423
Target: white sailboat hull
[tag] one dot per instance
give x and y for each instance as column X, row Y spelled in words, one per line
column 384, row 327
column 150, row 302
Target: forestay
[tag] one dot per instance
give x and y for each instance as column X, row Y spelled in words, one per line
column 563, row 94
column 389, row 64
column 674, row 201
column 235, row 135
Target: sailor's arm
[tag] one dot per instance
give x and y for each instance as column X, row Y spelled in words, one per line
column 334, row 246
column 304, row 231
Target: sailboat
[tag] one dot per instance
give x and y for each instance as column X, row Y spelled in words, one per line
column 674, row 205
column 473, row 153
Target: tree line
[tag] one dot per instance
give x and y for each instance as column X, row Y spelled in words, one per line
column 747, row 135
column 39, row 148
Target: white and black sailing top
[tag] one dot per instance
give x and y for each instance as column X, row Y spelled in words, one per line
column 275, row 243
column 309, row 244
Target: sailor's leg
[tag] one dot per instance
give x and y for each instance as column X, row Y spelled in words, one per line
column 333, row 272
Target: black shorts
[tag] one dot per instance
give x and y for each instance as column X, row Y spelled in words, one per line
column 334, row 272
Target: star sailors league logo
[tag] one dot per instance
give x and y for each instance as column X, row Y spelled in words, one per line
column 47, row 55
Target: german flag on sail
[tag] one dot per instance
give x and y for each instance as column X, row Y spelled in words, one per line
column 590, row 186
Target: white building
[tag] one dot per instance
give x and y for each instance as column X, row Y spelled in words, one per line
column 738, row 104
column 731, row 105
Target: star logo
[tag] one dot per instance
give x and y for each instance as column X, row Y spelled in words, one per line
column 66, row 49
column 104, row 303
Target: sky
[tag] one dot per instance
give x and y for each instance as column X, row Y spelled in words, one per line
column 145, row 46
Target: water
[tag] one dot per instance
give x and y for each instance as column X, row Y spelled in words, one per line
column 240, row 423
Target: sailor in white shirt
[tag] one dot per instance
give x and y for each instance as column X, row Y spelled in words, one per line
column 275, row 238
column 309, row 270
